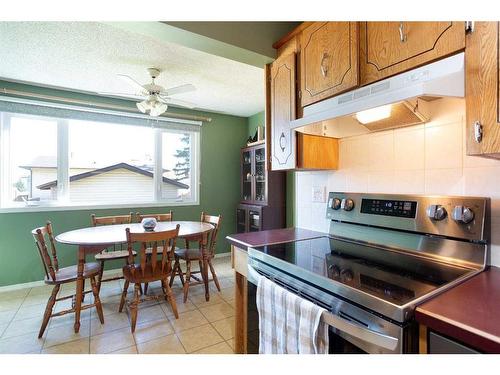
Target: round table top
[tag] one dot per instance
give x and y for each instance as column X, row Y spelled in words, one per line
column 111, row 234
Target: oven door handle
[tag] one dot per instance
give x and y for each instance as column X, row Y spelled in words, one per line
column 344, row 325
column 360, row 332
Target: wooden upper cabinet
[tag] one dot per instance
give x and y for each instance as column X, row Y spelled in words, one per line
column 482, row 89
column 328, row 60
column 281, row 103
column 389, row 48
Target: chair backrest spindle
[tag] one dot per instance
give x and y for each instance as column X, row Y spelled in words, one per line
column 216, row 222
column 49, row 260
column 111, row 220
column 169, row 216
column 152, row 240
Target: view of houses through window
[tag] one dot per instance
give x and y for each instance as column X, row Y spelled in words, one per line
column 107, row 163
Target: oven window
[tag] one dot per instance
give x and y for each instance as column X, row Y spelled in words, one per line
column 338, row 345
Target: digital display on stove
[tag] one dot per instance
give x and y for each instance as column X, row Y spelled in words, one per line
column 384, row 207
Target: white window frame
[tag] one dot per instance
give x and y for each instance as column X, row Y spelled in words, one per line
column 63, row 202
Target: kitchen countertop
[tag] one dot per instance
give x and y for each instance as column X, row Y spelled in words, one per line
column 273, row 236
column 469, row 312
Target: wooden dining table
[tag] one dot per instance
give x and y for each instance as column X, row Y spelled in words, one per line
column 93, row 240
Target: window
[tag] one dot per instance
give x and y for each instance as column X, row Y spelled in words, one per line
column 61, row 162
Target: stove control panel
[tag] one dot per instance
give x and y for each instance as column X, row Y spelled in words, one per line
column 458, row 217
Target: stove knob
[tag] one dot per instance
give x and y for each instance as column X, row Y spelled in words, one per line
column 334, row 271
column 436, row 212
column 336, row 203
column 347, row 204
column 463, row 214
column 346, row 275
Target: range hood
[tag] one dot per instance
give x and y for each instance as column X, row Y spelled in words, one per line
column 394, row 102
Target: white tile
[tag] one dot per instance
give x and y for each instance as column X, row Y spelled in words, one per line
column 495, row 242
column 304, row 217
column 357, row 181
column 381, row 149
column 319, row 222
column 337, row 181
column 444, row 181
column 409, row 148
column 356, row 153
column 381, row 182
column 409, row 181
column 443, row 146
column 303, row 187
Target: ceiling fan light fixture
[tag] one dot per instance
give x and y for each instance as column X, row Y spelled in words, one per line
column 157, row 109
column 143, row 106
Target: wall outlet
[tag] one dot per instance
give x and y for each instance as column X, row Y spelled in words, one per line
column 319, row 194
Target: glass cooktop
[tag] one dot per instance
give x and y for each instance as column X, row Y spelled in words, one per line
column 392, row 276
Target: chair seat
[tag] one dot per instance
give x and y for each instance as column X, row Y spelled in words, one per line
column 109, row 255
column 69, row 274
column 133, row 273
column 188, row 254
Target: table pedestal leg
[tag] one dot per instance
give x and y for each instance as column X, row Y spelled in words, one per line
column 79, row 287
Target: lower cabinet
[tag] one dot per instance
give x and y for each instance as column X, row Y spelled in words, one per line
column 253, row 218
column 443, row 345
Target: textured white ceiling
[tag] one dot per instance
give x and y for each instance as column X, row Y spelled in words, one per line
column 86, row 56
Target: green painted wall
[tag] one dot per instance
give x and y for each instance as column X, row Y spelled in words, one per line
column 220, row 151
column 256, row 120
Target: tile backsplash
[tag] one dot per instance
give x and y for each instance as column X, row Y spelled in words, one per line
column 421, row 159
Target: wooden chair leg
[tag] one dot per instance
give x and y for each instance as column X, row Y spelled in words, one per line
column 133, row 308
column 97, row 300
column 99, row 280
column 48, row 309
column 186, row 282
column 124, row 295
column 214, row 276
column 181, row 276
column 170, row 297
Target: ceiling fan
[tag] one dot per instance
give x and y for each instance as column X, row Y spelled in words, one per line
column 156, row 98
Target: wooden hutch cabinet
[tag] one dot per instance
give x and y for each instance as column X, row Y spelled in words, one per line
column 262, row 200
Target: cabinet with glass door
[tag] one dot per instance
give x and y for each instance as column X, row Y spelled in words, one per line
column 262, row 203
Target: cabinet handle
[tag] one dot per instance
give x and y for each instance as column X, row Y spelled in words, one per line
column 323, row 66
column 402, row 35
column 478, row 131
column 282, row 142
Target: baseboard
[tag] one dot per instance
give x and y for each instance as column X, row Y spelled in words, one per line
column 107, row 273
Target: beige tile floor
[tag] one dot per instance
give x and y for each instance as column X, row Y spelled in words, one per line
column 202, row 328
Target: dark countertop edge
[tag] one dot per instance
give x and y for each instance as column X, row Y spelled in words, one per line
column 437, row 316
column 272, row 237
column 468, row 335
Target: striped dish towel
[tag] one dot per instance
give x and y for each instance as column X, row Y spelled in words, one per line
column 288, row 324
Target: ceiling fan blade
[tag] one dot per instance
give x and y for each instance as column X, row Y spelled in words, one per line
column 179, row 89
column 120, row 94
column 180, row 103
column 132, row 82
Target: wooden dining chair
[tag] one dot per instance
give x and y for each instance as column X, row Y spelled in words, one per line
column 149, row 269
column 116, row 251
column 188, row 255
column 169, row 216
column 57, row 276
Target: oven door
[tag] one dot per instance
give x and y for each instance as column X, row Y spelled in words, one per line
column 352, row 330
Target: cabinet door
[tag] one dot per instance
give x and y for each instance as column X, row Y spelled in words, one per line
column 247, row 176
column 282, row 108
column 482, row 88
column 388, row 48
column 328, row 60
